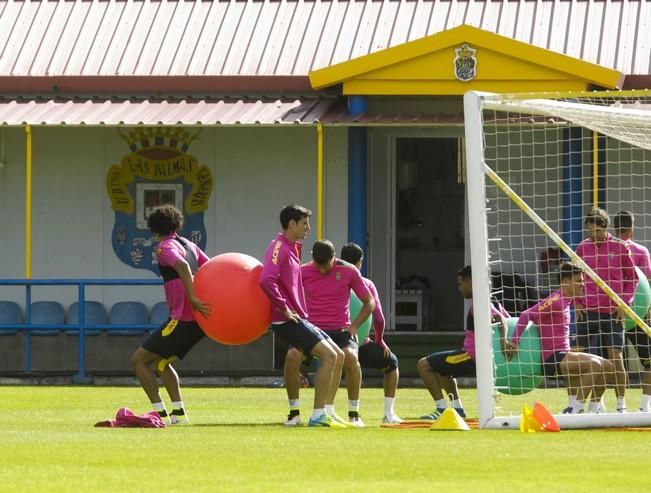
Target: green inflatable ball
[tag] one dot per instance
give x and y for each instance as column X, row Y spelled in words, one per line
column 355, row 308
column 641, row 299
column 523, row 372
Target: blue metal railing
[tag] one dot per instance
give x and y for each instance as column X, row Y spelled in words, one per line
column 82, row 327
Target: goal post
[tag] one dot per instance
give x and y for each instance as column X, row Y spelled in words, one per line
column 535, row 164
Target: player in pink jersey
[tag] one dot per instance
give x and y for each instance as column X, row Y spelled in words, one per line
column 178, row 260
column 374, row 352
column 440, row 370
column 328, row 282
column 282, row 282
column 624, row 226
column 623, row 223
column 599, row 320
column 583, row 372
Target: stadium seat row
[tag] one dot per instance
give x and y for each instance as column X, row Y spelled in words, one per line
column 123, row 313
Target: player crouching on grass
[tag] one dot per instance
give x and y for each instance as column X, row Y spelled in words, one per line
column 328, row 281
column 374, row 352
column 439, row 371
column 178, row 260
column 582, row 372
column 282, row 282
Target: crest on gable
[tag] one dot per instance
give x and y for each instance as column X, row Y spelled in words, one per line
column 465, row 63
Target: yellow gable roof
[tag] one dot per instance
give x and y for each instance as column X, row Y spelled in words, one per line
column 436, row 65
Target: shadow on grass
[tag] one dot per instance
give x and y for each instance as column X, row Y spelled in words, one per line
column 248, row 425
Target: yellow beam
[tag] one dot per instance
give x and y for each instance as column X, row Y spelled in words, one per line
column 319, row 181
column 28, row 204
column 595, row 169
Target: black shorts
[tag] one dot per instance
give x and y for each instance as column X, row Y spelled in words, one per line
column 552, row 365
column 454, row 363
column 302, row 335
column 174, row 338
column 642, row 344
column 371, row 356
column 599, row 331
column 342, row 338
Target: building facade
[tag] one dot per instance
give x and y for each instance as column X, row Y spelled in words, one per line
column 231, row 109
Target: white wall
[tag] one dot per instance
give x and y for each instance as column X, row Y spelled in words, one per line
column 529, row 160
column 628, row 182
column 255, row 171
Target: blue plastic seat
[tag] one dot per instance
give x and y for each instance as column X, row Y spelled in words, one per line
column 47, row 313
column 128, row 313
column 94, row 314
column 10, row 314
column 160, row 312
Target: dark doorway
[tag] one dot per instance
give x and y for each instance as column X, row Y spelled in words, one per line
column 429, row 234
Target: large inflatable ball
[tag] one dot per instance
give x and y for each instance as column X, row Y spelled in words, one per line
column 523, row 372
column 241, row 312
column 641, row 299
column 355, row 308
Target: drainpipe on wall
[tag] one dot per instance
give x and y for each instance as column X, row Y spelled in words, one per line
column 357, row 178
column 319, row 181
column 28, row 203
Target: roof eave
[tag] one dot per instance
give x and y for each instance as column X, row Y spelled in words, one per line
column 148, row 84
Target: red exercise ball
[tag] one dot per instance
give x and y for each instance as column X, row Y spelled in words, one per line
column 241, row 312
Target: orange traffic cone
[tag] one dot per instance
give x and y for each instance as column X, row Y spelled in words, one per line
column 544, row 417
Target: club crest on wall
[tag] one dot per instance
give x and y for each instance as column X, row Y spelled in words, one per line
column 158, row 171
column 465, row 63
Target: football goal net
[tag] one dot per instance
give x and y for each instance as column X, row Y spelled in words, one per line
column 537, row 167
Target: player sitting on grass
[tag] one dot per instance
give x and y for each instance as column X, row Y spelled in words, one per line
column 327, row 282
column 282, row 282
column 440, row 370
column 374, row 352
column 178, row 260
column 583, row 372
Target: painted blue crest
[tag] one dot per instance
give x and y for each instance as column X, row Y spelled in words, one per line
column 157, row 172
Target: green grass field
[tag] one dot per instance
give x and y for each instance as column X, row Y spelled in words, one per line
column 236, row 443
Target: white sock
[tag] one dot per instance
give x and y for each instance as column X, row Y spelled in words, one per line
column 574, row 402
column 317, row 413
column 388, row 406
column 441, row 404
column 621, row 403
column 330, row 409
column 353, row 406
column 177, row 405
column 593, row 406
column 294, row 404
column 456, row 403
column 646, row 401
column 158, row 406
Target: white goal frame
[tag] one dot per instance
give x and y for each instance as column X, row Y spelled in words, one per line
column 477, row 171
